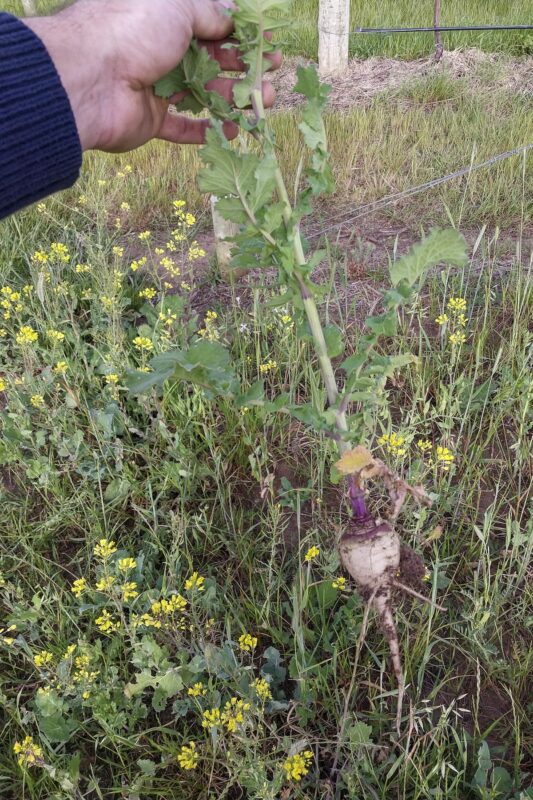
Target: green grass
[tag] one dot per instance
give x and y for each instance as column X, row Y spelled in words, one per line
column 302, row 38
column 185, row 483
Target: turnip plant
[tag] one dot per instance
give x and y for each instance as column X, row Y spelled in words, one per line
column 253, row 193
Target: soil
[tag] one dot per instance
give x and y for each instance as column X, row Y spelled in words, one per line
column 363, row 79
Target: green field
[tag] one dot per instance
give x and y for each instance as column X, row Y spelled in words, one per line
column 159, row 584
column 302, row 39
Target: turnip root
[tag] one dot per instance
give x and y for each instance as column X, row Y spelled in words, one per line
column 371, row 554
column 371, row 550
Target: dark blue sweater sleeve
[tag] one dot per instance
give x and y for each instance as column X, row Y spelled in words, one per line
column 40, row 149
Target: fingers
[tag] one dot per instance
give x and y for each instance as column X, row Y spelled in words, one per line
column 229, row 58
column 184, row 130
column 225, row 87
column 211, row 20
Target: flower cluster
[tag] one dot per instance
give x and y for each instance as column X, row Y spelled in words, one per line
column 312, row 553
column 454, row 319
column 188, row 756
column 297, row 766
column 247, row 642
column 231, row 717
column 210, row 330
column 393, row 444
column 29, row 754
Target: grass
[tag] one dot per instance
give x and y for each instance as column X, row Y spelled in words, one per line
column 186, row 483
column 302, row 38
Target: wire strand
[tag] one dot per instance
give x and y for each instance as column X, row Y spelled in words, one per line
column 377, row 205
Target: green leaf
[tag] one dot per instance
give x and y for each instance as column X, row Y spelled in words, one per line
column 359, row 734
column 484, row 764
column 383, row 324
column 334, row 341
column 171, row 683
column 147, row 766
column 253, row 397
column 57, row 728
column 440, row 245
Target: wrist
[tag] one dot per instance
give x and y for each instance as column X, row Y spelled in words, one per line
column 73, row 43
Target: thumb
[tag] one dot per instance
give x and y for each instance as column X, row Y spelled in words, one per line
column 212, row 19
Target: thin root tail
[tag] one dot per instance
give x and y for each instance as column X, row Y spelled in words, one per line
column 383, row 606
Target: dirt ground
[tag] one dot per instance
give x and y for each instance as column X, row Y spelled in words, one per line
column 365, row 78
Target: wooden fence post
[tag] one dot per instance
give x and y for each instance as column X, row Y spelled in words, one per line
column 29, row 8
column 439, row 50
column 333, row 35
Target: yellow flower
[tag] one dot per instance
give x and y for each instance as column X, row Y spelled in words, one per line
column 55, row 336
column 461, row 320
column 60, row 252
column 268, row 366
column 339, row 583
column 198, row 690
column 102, row 183
column 458, row 338
column 143, row 343
column 118, row 251
column 129, row 591
column 424, row 445
column 233, row 714
column 29, row 754
column 148, row 294
column 195, row 251
column 393, row 444
column 195, row 582
column 105, row 584
column 456, row 304
column 104, row 549
column 7, row 639
column 186, row 286
column 125, row 206
column 40, row 257
column 442, row 319
column 112, row 378
column 61, row 367
column 247, row 642
column 212, row 718
column 3, row 333
column 2, row 385
column 168, row 318
column 179, row 204
column 128, row 169
column 106, row 623
column 107, row 302
column 137, row 264
column 79, row 587
column 312, row 553
column 41, row 208
column 37, row 400
column 159, row 251
column 262, row 689
column 297, row 766
column 188, row 756
column 126, row 564
column 145, row 236
column 82, row 269
column 43, row 659
column 444, row 457
column 26, row 335
column 69, row 651
column 82, row 200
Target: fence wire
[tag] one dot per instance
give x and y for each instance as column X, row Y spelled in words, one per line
column 362, row 211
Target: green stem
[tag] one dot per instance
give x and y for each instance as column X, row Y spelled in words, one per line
column 313, row 317
column 311, row 310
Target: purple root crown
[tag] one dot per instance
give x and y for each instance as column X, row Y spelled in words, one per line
column 357, row 499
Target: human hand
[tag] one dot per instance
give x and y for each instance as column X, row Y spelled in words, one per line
column 110, row 53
